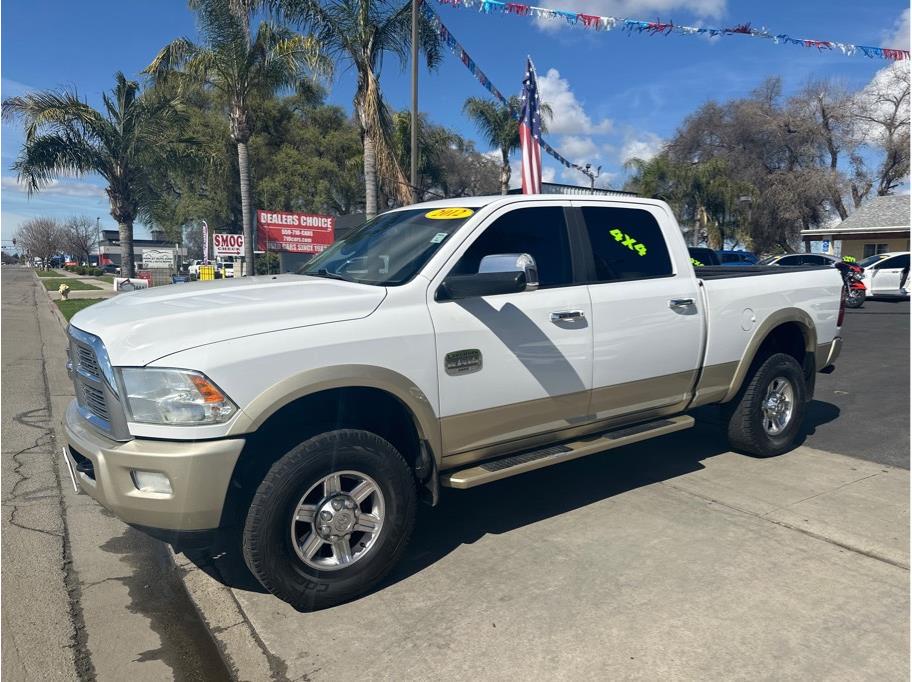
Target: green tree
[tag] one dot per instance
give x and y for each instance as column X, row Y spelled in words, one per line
column 500, row 129
column 242, row 67
column 359, row 33
column 132, row 134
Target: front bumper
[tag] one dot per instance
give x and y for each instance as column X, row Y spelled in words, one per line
column 199, row 472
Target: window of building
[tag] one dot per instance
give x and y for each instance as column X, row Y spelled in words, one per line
column 540, row 231
column 874, row 249
column 627, row 243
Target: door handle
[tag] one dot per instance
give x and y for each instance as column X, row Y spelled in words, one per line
column 680, row 302
column 568, row 316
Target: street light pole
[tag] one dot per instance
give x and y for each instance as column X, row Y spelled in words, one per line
column 414, row 127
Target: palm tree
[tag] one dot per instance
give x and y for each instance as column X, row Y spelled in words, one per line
column 498, row 125
column 360, row 33
column 133, row 134
column 241, row 67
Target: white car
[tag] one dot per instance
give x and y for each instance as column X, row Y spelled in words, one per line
column 883, row 273
column 194, row 268
column 452, row 343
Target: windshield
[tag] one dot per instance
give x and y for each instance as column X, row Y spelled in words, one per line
column 390, row 249
column 870, row 260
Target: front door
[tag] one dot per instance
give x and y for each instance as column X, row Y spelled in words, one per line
column 647, row 327
column 514, row 365
column 887, row 276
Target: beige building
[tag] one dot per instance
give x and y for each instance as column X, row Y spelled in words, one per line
column 880, row 225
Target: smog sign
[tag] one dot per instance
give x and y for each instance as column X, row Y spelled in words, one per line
column 228, row 244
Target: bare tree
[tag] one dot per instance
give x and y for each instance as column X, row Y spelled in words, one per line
column 40, row 238
column 881, row 112
column 80, row 237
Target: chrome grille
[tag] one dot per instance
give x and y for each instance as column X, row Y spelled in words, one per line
column 93, row 381
column 87, row 361
column 95, row 402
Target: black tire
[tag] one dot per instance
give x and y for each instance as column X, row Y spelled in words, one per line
column 855, row 298
column 267, row 538
column 746, row 431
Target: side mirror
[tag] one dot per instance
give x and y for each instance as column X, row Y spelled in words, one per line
column 497, row 274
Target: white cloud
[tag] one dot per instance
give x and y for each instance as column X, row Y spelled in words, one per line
column 548, row 173
column 575, row 147
column 568, row 115
column 878, row 97
column 56, row 187
column 640, row 145
column 898, row 37
column 632, row 9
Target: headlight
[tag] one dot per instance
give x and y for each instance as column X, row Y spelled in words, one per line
column 174, row 396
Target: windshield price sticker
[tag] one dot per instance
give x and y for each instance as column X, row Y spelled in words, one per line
column 453, row 213
column 628, row 241
column 439, row 237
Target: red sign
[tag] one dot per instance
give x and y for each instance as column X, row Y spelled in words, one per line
column 294, row 232
column 228, row 244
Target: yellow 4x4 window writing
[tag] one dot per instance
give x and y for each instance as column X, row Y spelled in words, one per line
column 627, row 243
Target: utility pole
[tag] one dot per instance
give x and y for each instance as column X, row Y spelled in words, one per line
column 414, row 127
column 591, row 174
column 98, row 242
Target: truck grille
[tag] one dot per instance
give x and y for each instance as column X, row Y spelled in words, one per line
column 93, row 381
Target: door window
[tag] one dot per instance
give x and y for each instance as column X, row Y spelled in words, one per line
column 540, row 231
column 627, row 243
column 895, row 263
column 790, row 261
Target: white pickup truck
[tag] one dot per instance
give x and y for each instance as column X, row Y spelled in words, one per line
column 451, row 343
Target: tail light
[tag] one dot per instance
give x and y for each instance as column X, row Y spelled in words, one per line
column 842, row 307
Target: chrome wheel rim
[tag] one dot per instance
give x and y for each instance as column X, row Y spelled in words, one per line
column 338, row 520
column 778, row 406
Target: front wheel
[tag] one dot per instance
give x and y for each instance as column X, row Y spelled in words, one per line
column 766, row 415
column 330, row 519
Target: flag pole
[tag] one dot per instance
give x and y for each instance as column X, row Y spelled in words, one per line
column 414, row 126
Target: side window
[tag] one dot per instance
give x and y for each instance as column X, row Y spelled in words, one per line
column 539, row 231
column 627, row 243
column 895, row 263
column 790, row 261
column 815, row 260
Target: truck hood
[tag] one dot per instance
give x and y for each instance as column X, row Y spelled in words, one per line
column 148, row 324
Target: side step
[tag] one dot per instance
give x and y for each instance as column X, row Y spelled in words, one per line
column 511, row 465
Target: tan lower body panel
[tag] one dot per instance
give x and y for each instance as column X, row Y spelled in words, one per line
column 494, row 471
column 714, row 384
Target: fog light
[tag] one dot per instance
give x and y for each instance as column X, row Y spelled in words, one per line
column 151, row 482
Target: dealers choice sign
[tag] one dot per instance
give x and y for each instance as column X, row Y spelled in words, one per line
column 294, row 232
column 225, row 244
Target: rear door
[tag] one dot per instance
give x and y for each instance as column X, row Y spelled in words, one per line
column 647, row 322
column 526, row 358
column 887, row 275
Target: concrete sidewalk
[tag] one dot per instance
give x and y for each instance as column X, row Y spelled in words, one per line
column 669, row 559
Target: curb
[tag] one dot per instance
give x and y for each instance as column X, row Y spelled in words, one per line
column 235, row 639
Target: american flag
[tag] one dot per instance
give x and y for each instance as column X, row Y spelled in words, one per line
column 530, row 133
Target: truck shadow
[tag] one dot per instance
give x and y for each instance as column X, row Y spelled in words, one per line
column 466, row 516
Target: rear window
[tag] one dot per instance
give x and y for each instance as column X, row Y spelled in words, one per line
column 627, row 243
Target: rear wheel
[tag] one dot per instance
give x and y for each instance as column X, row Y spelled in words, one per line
column 855, row 298
column 330, row 519
column 766, row 416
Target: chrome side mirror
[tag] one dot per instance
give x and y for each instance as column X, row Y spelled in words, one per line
column 512, row 262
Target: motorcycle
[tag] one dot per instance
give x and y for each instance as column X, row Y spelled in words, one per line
column 856, row 291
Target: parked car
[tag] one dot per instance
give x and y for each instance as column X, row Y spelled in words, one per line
column 883, row 273
column 193, row 269
column 737, row 258
column 701, row 256
column 801, row 259
column 482, row 338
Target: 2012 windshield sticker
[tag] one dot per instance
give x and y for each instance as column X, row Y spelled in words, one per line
column 451, row 213
column 628, row 241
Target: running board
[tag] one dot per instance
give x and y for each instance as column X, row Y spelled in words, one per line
column 511, row 465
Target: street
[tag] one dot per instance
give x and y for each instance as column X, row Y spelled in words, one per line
column 673, row 558
column 85, row 596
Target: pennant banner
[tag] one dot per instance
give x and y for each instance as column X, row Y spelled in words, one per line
column 450, row 41
column 598, row 23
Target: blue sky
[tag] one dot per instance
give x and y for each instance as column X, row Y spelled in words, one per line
column 614, row 94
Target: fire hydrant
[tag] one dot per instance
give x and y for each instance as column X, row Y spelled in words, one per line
column 64, row 291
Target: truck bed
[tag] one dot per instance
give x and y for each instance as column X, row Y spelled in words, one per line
column 730, row 271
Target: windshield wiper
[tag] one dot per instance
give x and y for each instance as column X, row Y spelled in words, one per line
column 323, row 272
